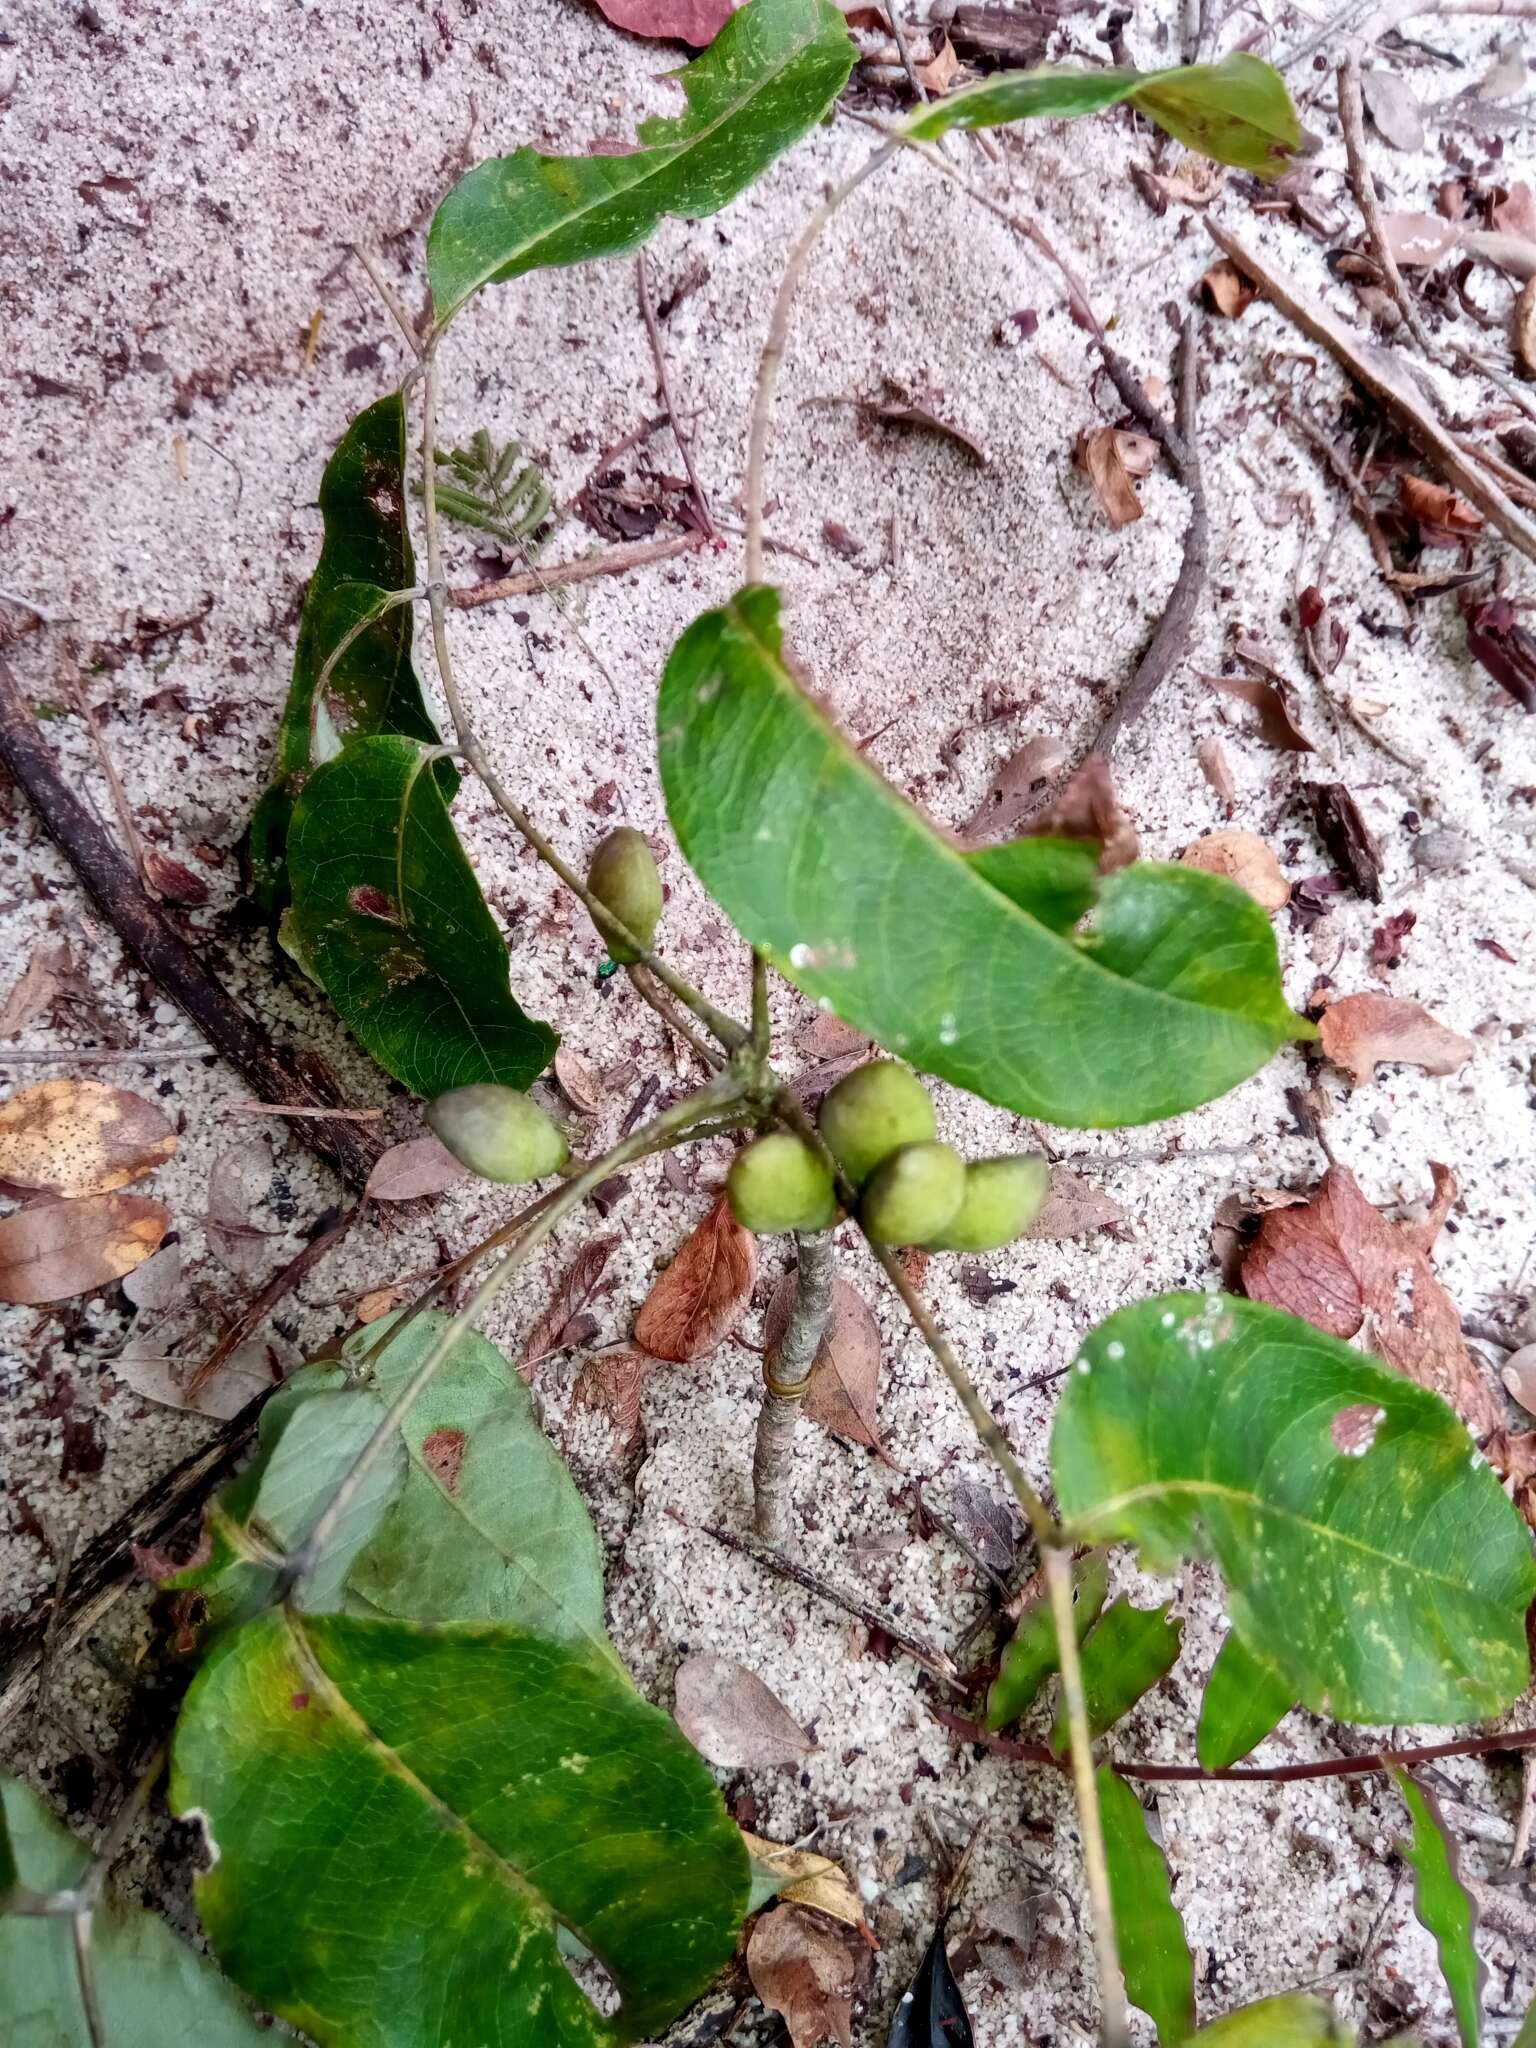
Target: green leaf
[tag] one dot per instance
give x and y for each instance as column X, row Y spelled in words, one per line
column 1125, row 1654
column 403, row 1816
column 1237, row 111
column 1526, row 2038
column 1384, row 1574
column 152, row 1987
column 365, row 554
column 1444, row 1906
column 1172, row 998
column 1029, row 1657
column 1055, row 880
column 1245, row 1699
column 471, row 1516
column 389, row 917
column 767, row 78
column 1154, row 1955
column 1293, row 2021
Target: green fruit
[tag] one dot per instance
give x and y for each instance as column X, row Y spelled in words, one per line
column 871, row 1113
column 498, row 1133
column 1002, row 1198
column 624, row 878
column 914, row 1195
column 779, row 1183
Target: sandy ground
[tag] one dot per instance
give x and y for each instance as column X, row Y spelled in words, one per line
column 160, row 448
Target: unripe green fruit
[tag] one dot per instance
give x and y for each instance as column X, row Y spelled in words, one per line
column 913, row 1195
column 498, row 1133
column 871, row 1113
column 779, row 1183
column 1002, row 1198
column 624, row 878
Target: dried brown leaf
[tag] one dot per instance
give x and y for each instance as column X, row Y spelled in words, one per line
column 806, row 1969
column 1518, row 1373
column 844, row 1391
column 1496, row 638
column 155, row 1286
column 828, row 1038
column 940, row 71
column 247, row 1372
column 1275, row 704
column 52, row 1251
column 1350, row 841
column 813, row 1881
column 902, row 408
column 731, row 1717
column 703, row 1294
column 696, row 22
column 1245, row 859
column 1338, row 1263
column 580, row 1086
column 1215, row 768
column 563, row 1322
column 1418, row 240
column 172, row 880
column 1086, row 807
column 421, row 1166
column 1523, row 327
column 1111, row 457
column 378, row 1302
column 1359, row 1033
column 1393, row 110
column 1015, row 787
column 237, row 1183
column 612, row 1384
column 1074, row 1208
column 51, row 966
column 1226, row 290
column 1436, row 508
column 80, row 1138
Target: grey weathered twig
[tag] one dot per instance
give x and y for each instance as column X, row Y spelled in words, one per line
column 786, row 1376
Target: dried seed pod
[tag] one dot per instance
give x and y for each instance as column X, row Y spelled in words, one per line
column 498, row 1133
column 625, row 879
column 871, row 1113
column 1002, row 1198
column 915, row 1195
column 779, row 1183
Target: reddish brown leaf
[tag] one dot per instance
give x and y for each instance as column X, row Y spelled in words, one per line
column 421, row 1166
column 1361, row 1032
column 580, row 1086
column 52, row 1251
column 695, row 22
column 807, row 1969
column 612, row 1384
column 1523, row 327
column 903, row 408
column 939, row 74
column 1438, row 510
column 1088, row 808
column 1350, row 842
column 1015, row 787
column 731, row 1717
column 1111, row 457
column 80, row 1138
column 557, row 1329
column 1496, row 638
column 1226, row 290
column 844, row 1391
column 1278, row 724
column 172, row 881
column 1387, row 939
column 1214, row 767
column 1243, row 858
column 703, row 1294
column 1338, row 1263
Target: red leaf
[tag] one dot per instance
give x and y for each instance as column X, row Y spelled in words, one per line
column 696, row 22
column 703, row 1294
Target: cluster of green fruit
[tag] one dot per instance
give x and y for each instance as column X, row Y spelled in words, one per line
column 879, row 1125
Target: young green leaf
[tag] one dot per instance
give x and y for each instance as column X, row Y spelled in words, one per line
column 365, row 554
column 151, row 1985
column 388, row 916
column 1368, row 1551
column 1526, row 2038
column 767, row 78
column 1124, row 1655
column 403, row 1815
column 1444, row 1905
column 1030, row 1657
column 471, row 1516
column 1245, row 1698
column 1293, row 2021
column 1154, row 1954
column 1237, row 111
column 1055, row 880
column 1172, row 998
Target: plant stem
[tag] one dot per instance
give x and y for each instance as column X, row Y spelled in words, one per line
column 1112, row 2024
column 647, row 991
column 786, row 1376
column 761, row 1024
column 614, row 561
column 391, row 299
column 772, row 358
column 671, row 1125
column 664, row 385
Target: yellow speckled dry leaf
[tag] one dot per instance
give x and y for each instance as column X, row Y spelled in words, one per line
column 52, row 1251
column 811, row 1880
column 80, row 1138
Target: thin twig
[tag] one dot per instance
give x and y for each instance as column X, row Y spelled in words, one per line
column 328, row 1235
column 645, row 987
column 1363, row 185
column 100, row 1055
column 923, row 1654
column 761, row 1023
column 684, row 444
column 390, row 298
column 786, row 1378
column 356, row 630
column 616, row 561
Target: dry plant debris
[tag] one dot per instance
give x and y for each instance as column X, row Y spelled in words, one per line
column 1362, row 1032
column 703, row 1294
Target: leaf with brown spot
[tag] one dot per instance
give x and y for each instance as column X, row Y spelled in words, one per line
column 1074, row 1207
column 406, row 1173
column 1275, row 704
column 1227, row 291
column 556, row 1329
column 1350, row 841
column 731, row 1717
column 807, row 1970
column 703, row 1294
column 1343, row 1267
column 1243, row 858
column 612, row 1384
column 52, row 1251
column 1111, row 457
column 80, row 1138
column 844, row 1390
column 1359, row 1033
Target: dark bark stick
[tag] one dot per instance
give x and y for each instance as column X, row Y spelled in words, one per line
column 332, row 1229
column 175, row 966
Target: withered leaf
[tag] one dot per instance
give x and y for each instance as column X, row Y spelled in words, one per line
column 807, row 1969
column 1074, row 1208
column 1243, row 858
column 1418, row 240
column 421, row 1166
column 38, row 987
column 1359, row 1033
column 991, row 1524
column 155, row 1285
column 1015, row 786
column 828, row 1038
column 1387, row 939
column 1340, row 1265
column 844, row 1391
column 52, row 1251
column 612, row 1384
column 237, row 1182
column 1442, row 517
column 579, row 1085
column 172, row 880
column 1393, row 109
column 1111, row 457
column 696, row 22
column 1523, row 327
column 1496, row 638
column 557, row 1328
column 1279, row 726
column 903, row 408
column 703, row 1294
column 814, row 1881
column 1518, row 1373
column 247, row 1372
column 1226, row 290
column 80, row 1138
column 1087, row 807
column 1215, row 768
column 1350, row 842
column 731, row 1717
column 941, row 69
column 378, row 1301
